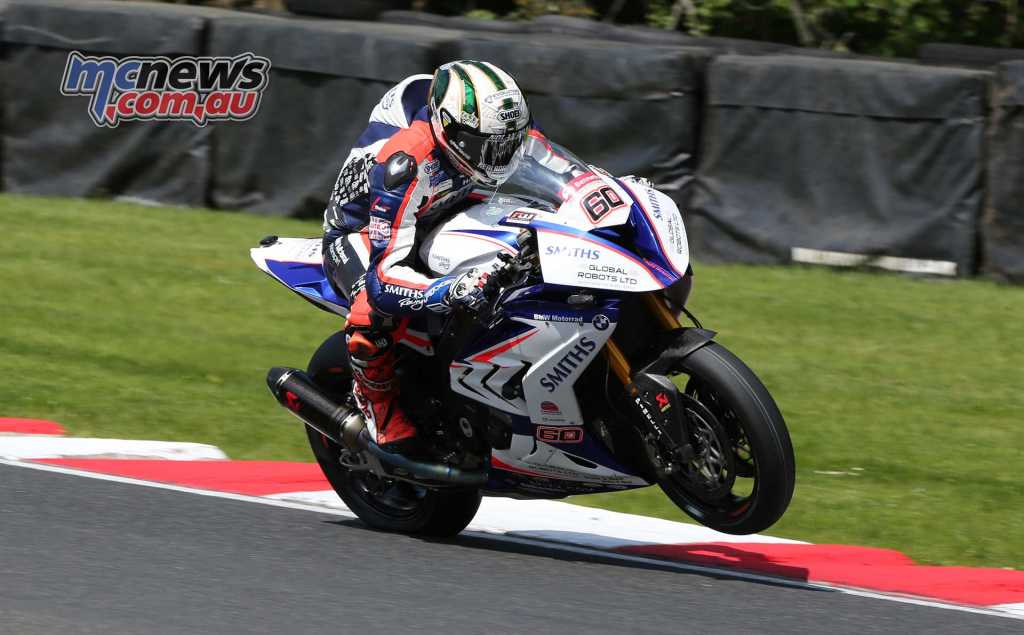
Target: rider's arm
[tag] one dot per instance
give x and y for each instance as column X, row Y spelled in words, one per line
column 398, row 193
column 393, row 285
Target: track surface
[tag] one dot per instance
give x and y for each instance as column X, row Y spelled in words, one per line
column 89, row 556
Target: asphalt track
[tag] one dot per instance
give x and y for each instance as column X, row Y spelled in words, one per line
column 83, row 555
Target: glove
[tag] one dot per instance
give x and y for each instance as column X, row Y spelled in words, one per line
column 465, row 289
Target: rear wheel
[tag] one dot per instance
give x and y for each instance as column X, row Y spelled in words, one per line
column 742, row 476
column 381, row 503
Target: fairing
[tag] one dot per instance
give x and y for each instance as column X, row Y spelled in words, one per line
column 297, row 263
column 636, row 243
column 545, row 347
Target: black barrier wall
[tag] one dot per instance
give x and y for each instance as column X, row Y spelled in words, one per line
column 628, row 109
column 836, row 155
column 566, row 26
column 980, row 57
column 1003, row 226
column 797, row 155
column 51, row 146
column 326, row 78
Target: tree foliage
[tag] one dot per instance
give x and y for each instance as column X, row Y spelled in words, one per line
column 883, row 27
column 876, row 27
column 879, row 27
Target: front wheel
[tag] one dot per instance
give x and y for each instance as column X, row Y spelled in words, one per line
column 741, row 478
column 381, row 503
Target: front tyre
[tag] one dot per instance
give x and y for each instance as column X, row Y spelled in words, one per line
column 744, row 472
column 382, row 504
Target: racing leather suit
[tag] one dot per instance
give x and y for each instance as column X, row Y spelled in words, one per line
column 395, row 181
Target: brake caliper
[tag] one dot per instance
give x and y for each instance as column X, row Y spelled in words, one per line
column 658, row 402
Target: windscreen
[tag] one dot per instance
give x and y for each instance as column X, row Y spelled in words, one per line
column 544, row 171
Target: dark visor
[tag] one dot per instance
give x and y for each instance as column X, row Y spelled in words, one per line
column 490, row 150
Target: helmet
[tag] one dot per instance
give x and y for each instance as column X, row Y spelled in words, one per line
column 480, row 119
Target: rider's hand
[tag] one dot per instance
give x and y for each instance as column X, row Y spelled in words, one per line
column 468, row 289
column 463, row 290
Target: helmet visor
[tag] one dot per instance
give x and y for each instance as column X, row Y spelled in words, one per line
column 488, row 151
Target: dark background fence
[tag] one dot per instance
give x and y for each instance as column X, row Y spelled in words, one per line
column 775, row 153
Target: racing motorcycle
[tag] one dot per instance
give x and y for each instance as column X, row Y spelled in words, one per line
column 574, row 376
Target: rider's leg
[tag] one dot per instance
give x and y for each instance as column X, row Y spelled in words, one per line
column 370, row 343
column 346, row 257
column 371, row 349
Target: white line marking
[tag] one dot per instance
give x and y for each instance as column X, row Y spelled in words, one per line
column 891, row 263
column 556, row 521
column 175, row 488
column 54, row 447
column 533, row 542
column 1017, row 610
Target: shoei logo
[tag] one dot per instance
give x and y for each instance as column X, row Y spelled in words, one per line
column 510, row 115
column 196, row 89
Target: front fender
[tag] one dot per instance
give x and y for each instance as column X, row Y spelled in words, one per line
column 680, row 344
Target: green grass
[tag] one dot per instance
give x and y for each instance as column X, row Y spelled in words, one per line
column 903, row 396
column 150, row 323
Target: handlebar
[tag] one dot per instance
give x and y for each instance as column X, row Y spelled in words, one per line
column 513, row 270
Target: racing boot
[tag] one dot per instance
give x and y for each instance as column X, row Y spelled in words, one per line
column 376, row 391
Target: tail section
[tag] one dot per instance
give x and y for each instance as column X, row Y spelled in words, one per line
column 297, row 263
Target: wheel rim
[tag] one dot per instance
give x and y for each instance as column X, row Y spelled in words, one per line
column 395, row 499
column 390, row 498
column 711, row 470
column 743, row 456
column 722, row 480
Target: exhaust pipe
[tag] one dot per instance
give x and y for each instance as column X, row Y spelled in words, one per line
column 346, row 427
column 425, row 471
column 294, row 390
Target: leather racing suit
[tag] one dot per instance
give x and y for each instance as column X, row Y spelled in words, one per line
column 395, row 181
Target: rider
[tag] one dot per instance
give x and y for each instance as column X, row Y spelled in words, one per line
column 432, row 143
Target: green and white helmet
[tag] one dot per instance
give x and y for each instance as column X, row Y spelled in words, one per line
column 480, row 119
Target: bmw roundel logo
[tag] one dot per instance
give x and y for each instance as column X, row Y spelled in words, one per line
column 601, row 321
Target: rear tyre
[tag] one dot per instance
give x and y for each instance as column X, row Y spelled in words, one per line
column 745, row 474
column 381, row 504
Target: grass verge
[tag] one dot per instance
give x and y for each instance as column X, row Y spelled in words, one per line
column 902, row 395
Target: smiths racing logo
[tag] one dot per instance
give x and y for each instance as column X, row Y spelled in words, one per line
column 566, row 366
column 196, row 89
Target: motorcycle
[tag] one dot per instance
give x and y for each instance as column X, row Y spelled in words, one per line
column 574, row 376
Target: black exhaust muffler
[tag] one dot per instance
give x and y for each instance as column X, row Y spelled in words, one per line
column 294, row 390
column 346, row 427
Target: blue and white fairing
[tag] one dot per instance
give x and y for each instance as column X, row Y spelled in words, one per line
column 297, row 263
column 581, row 244
column 593, row 231
column 544, row 346
column 580, row 240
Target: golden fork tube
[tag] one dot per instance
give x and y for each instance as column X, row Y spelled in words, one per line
column 616, row 359
column 657, row 306
column 618, row 362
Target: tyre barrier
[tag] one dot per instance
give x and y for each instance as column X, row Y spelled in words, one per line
column 786, row 154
